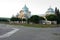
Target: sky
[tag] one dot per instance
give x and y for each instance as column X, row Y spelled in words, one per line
column 37, row 7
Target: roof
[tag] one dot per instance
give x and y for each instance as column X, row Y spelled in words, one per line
column 50, row 10
column 25, row 8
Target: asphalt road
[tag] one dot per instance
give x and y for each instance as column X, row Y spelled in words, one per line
column 29, row 33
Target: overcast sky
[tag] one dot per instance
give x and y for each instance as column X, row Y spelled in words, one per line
column 37, row 7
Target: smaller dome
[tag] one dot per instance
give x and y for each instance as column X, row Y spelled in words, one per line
column 50, row 10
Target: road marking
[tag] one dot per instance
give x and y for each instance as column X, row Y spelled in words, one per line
column 9, row 33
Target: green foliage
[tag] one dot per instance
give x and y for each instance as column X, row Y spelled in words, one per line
column 23, row 19
column 57, row 11
column 36, row 19
column 51, row 17
column 4, row 20
column 58, row 15
column 15, row 19
column 41, row 18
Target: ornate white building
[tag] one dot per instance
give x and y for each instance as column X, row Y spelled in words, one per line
column 49, row 12
column 24, row 13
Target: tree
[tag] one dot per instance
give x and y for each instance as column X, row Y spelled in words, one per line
column 15, row 19
column 23, row 19
column 57, row 14
column 57, row 11
column 51, row 17
column 19, row 19
column 41, row 18
column 35, row 19
column 4, row 20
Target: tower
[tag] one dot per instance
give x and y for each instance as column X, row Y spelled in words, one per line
column 50, row 11
column 24, row 13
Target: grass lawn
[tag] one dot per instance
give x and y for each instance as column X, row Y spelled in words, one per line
column 37, row 25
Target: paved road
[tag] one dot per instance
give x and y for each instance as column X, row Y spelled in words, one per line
column 27, row 33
